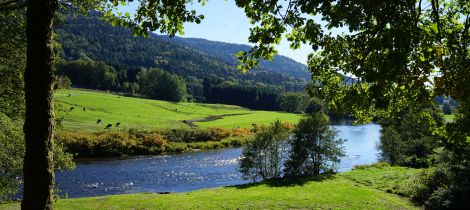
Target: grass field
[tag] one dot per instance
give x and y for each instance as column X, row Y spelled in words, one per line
column 146, row 114
column 358, row 189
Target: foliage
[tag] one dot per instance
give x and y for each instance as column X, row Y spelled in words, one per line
column 263, row 157
column 63, row 82
column 392, row 48
column 12, row 153
column 89, row 74
column 12, row 61
column 408, row 140
column 403, row 54
column 258, row 96
column 142, row 142
column 294, row 102
column 443, row 187
column 158, row 84
column 314, row 148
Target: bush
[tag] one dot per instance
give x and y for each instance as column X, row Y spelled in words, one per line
column 262, row 157
column 314, row 147
column 408, row 140
column 153, row 140
column 63, row 82
column 135, row 142
column 443, row 187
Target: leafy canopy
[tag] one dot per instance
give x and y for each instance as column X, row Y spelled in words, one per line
column 400, row 53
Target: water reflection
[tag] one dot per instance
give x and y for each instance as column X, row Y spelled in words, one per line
column 191, row 171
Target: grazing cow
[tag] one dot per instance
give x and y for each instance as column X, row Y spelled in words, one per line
column 108, row 126
column 117, row 124
column 84, row 109
column 98, row 121
column 176, row 110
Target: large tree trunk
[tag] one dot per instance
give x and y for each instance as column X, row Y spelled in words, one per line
column 39, row 122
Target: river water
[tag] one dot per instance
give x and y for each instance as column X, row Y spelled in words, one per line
column 192, row 170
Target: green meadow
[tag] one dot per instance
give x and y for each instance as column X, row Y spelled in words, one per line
column 89, row 106
column 367, row 188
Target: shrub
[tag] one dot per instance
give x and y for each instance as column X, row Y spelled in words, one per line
column 140, row 142
column 262, row 157
column 314, row 147
column 241, row 132
column 408, row 140
column 153, row 140
column 177, row 147
column 443, row 187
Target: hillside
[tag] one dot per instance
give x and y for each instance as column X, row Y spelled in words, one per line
column 146, row 114
column 226, row 51
column 358, row 189
column 89, row 37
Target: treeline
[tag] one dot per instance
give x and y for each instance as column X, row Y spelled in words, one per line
column 158, row 84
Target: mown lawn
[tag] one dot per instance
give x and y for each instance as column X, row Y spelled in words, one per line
column 358, row 189
column 147, row 114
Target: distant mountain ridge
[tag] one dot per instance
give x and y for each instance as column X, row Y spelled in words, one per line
column 226, row 52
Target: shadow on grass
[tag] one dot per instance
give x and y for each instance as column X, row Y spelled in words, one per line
column 284, row 182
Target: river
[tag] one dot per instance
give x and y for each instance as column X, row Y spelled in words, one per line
column 192, row 170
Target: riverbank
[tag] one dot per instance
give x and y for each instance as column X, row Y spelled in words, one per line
column 133, row 142
column 367, row 187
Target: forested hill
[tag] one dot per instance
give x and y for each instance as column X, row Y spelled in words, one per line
column 226, row 51
column 89, row 37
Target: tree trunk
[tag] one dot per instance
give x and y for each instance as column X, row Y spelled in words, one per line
column 39, row 120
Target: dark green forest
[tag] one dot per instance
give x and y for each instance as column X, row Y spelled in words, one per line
column 96, row 55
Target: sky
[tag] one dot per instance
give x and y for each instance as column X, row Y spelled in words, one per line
column 225, row 22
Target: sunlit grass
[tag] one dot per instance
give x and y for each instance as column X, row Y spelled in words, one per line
column 358, row 189
column 147, row 114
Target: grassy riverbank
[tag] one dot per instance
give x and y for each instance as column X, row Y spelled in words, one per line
column 115, row 143
column 89, row 106
column 367, row 188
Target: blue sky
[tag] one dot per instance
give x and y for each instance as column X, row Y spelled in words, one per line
column 225, row 22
